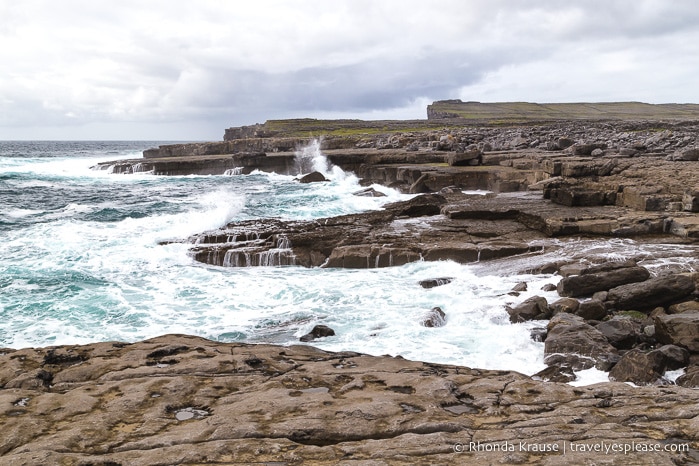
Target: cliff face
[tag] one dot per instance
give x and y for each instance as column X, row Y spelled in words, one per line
column 185, row 400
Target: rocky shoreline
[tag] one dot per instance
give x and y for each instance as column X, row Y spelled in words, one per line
column 185, row 400
column 179, row 399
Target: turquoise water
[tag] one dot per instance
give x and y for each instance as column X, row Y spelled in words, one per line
column 81, row 260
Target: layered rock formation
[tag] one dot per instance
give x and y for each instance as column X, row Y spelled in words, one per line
column 185, row 400
column 552, row 180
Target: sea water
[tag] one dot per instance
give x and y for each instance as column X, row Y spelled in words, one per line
column 89, row 256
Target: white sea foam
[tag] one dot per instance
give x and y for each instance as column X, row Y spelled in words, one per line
column 72, row 278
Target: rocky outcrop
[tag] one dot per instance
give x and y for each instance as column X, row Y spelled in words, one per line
column 571, row 342
column 649, row 294
column 679, row 329
column 185, row 400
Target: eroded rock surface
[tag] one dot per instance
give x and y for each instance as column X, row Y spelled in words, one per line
column 186, row 400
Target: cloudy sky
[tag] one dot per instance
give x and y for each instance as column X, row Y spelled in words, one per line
column 186, row 70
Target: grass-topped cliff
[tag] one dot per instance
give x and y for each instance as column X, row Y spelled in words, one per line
column 527, row 111
column 448, row 113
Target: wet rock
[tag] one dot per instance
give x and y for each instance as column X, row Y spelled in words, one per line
column 592, row 309
column 313, row 177
column 548, row 287
column 690, row 378
column 555, row 373
column 589, row 283
column 534, row 308
column 644, row 368
column 435, row 282
column 680, row 308
column 319, row 331
column 435, row 318
column 569, row 305
column 581, row 345
column 519, row 287
column 538, row 334
column 368, row 192
column 621, row 332
column 679, row 329
column 644, row 296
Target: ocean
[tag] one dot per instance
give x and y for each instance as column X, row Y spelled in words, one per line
column 87, row 256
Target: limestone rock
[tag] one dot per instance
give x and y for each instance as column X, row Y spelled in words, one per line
column 224, row 403
column 534, row 308
column 313, row 177
column 621, row 332
column 658, row 291
column 644, row 368
column 319, row 331
column 435, row 318
column 580, row 345
column 679, row 329
column 589, row 283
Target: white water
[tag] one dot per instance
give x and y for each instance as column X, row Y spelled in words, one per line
column 88, row 267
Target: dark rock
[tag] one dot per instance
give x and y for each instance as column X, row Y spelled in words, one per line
column 587, row 148
column 659, row 291
column 319, row 331
column 690, row 379
column 434, row 282
column 435, row 318
column 644, row 368
column 679, row 329
column 368, row 192
column 687, row 154
column 639, row 367
column 576, row 343
column 548, row 287
column 591, row 310
column 534, row 308
column 519, row 287
column 680, row 308
column 588, row 283
column 419, row 206
column 555, row 373
column 675, row 357
column 569, row 305
column 313, row 177
column 471, row 157
column 622, row 332
column 538, row 334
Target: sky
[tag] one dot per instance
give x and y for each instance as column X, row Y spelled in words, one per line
column 186, row 70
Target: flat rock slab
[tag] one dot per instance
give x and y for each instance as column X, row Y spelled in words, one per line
column 179, row 399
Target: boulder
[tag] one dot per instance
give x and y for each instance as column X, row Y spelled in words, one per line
column 555, row 373
column 639, row 367
column 534, row 308
column 679, row 329
column 592, row 309
column 590, row 283
column 680, row 308
column 313, row 177
column 368, row 192
column 434, row 282
column 570, row 305
column 587, row 148
column 571, row 341
column 644, row 296
column 470, row 157
column 319, row 331
column 684, row 155
column 690, row 379
column 435, row 318
column 621, row 332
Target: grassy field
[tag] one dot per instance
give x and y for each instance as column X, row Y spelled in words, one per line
column 526, row 111
column 455, row 113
